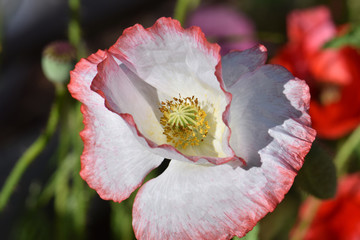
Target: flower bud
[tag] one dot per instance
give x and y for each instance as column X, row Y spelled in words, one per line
column 58, row 59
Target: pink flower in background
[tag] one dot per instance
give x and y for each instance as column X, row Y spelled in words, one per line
column 237, row 131
column 225, row 26
column 337, row 218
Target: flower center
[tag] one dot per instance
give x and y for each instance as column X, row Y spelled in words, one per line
column 183, row 121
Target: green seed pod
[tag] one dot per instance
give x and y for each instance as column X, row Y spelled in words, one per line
column 58, row 59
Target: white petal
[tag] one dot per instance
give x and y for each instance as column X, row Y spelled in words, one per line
column 199, row 202
column 114, row 163
column 238, row 63
column 259, row 103
column 125, row 93
column 173, row 60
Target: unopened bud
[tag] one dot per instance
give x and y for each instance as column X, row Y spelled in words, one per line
column 58, row 59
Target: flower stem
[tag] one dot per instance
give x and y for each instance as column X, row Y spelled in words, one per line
column 347, row 148
column 182, row 7
column 33, row 151
column 74, row 28
column 307, row 219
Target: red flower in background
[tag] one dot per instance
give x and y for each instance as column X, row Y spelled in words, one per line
column 338, row 218
column 332, row 74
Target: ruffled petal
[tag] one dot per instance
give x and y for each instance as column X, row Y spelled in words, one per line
column 113, row 162
column 200, row 202
column 237, row 63
column 171, row 58
column 260, row 103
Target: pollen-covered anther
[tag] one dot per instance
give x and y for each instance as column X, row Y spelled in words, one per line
column 183, row 121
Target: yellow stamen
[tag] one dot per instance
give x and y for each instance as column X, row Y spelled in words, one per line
column 184, row 121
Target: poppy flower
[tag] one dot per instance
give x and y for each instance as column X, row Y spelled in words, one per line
column 236, row 131
column 227, row 27
column 338, row 218
column 332, row 74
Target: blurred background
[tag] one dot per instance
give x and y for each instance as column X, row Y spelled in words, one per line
column 50, row 201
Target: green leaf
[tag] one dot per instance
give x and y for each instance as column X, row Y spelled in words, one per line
column 351, row 38
column 318, row 174
column 252, row 235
